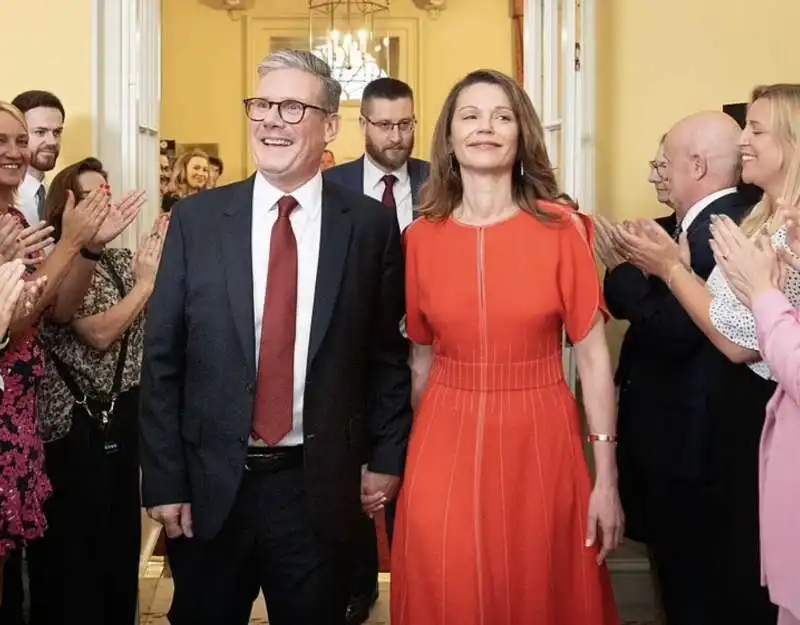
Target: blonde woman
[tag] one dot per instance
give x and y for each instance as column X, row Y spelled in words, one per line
column 189, row 176
column 768, row 146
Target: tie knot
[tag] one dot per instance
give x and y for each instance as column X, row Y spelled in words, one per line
column 389, row 180
column 285, row 206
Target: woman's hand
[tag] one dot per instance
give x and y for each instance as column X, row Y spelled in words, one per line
column 607, row 519
column 751, row 267
column 11, row 287
column 791, row 217
column 33, row 242
column 645, row 244
column 9, row 238
column 148, row 255
column 31, row 292
column 120, row 216
column 80, row 222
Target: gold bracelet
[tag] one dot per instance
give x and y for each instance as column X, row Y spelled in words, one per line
column 601, row 438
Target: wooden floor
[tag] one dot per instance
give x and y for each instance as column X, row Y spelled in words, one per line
column 156, row 593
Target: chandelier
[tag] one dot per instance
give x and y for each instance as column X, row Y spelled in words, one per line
column 342, row 32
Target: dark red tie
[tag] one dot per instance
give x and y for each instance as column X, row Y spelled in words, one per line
column 272, row 418
column 388, row 194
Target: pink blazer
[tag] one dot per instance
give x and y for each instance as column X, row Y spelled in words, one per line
column 778, row 324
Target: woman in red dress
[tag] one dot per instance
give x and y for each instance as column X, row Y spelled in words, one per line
column 499, row 522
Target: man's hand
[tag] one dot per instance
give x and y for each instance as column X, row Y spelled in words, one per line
column 176, row 519
column 376, row 490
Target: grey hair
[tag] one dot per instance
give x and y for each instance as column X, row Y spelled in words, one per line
column 308, row 62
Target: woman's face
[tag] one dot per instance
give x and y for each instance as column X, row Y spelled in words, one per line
column 14, row 153
column 484, row 133
column 763, row 162
column 88, row 181
column 197, row 172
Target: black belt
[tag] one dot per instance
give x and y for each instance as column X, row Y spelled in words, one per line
column 270, row 459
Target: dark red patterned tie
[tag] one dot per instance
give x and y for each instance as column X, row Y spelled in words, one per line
column 272, row 418
column 388, row 194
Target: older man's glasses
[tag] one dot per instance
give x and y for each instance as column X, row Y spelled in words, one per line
column 660, row 167
column 290, row 111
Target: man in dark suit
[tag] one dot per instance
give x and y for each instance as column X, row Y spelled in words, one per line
column 387, row 173
column 274, row 369
column 667, row 372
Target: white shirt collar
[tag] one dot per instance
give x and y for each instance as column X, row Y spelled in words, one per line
column 373, row 175
column 308, row 195
column 701, row 205
column 30, row 185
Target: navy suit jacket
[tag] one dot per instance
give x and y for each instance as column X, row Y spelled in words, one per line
column 351, row 175
column 669, row 368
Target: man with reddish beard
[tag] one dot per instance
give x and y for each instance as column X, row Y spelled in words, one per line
column 45, row 116
column 386, row 172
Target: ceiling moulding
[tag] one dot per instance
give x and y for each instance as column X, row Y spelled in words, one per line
column 433, row 7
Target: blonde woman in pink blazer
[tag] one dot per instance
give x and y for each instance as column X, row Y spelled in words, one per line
column 754, row 271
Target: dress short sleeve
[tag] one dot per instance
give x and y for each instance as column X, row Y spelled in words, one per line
column 416, row 325
column 578, row 282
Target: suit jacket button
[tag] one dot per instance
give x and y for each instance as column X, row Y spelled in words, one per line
column 251, row 388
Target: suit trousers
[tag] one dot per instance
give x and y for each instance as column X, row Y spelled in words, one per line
column 366, row 563
column 86, row 567
column 267, row 542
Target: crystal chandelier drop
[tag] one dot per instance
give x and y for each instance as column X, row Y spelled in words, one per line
column 342, row 32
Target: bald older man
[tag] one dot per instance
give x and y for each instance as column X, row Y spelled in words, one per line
column 665, row 426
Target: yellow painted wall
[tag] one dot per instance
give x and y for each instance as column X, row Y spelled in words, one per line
column 54, row 54
column 204, row 75
column 659, row 61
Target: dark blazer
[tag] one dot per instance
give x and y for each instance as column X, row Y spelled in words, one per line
column 351, row 175
column 668, row 368
column 199, row 367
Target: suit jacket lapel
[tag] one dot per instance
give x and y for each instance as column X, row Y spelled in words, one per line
column 236, row 239
column 333, row 245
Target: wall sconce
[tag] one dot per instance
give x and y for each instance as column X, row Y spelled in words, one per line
column 433, row 7
column 234, row 8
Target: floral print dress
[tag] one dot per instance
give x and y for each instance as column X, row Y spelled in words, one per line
column 24, row 487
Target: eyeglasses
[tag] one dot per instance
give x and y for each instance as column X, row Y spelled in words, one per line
column 290, row 111
column 658, row 167
column 384, row 125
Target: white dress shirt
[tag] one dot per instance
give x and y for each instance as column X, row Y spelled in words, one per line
column 306, row 221
column 374, row 187
column 699, row 207
column 26, row 202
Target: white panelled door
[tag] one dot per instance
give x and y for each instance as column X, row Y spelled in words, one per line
column 560, row 78
column 128, row 100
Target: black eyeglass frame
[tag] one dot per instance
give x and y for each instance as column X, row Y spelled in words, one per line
column 282, row 105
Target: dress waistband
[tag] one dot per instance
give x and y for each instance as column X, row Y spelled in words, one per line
column 497, row 376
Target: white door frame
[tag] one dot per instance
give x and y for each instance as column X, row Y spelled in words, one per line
column 126, row 98
column 569, row 129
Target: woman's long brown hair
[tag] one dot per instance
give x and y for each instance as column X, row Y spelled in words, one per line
column 533, row 177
